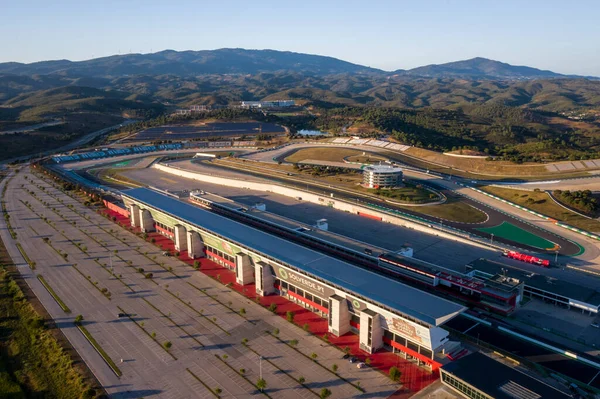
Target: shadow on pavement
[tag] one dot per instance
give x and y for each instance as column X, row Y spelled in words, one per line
column 141, row 393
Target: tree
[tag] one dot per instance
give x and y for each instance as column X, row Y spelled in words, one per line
column 167, row 345
column 368, row 361
column 276, row 331
column 245, row 341
column 273, row 307
column 301, row 380
column 261, row 384
column 218, row 390
column 314, row 356
column 334, row 368
column 306, row 327
column 289, row 315
column 395, row 374
column 294, row 342
column 243, row 311
column 78, row 319
column 325, row 393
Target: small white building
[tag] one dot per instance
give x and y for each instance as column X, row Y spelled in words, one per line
column 268, row 104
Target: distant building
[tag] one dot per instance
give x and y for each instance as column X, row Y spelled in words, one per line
column 200, row 108
column 268, row 104
column 193, row 109
column 382, row 176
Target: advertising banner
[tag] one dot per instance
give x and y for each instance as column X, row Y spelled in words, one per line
column 408, row 330
column 305, row 283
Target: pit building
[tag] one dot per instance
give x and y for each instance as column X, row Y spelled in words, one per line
column 382, row 311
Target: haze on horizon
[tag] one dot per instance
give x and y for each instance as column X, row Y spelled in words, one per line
column 386, row 34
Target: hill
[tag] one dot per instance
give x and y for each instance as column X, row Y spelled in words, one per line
column 480, row 68
column 190, row 63
column 59, row 101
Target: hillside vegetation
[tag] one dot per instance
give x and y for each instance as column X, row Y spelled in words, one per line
column 33, row 364
column 517, row 113
column 507, row 133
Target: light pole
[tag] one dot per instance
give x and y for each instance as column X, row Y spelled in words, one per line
column 556, row 257
column 492, row 239
column 260, row 366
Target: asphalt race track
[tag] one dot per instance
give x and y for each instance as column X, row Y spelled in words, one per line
column 219, row 129
column 496, row 217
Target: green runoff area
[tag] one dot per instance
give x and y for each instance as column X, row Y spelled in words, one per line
column 541, row 202
column 513, row 233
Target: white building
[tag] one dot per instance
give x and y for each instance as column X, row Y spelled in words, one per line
column 268, row 104
column 382, row 176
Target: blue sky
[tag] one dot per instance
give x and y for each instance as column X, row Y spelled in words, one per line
column 562, row 36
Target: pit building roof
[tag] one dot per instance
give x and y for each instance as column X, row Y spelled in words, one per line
column 353, row 279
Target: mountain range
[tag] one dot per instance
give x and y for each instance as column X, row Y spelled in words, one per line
column 242, row 61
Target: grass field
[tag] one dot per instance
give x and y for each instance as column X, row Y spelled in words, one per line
column 481, row 166
column 513, row 233
column 542, row 203
column 417, row 161
column 453, row 210
column 370, row 158
column 408, row 193
column 322, row 154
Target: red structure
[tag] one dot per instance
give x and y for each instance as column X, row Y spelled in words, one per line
column 496, row 295
column 116, row 208
column 527, row 258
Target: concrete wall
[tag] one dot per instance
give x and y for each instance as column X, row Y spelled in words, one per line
column 134, row 211
column 180, row 238
column 146, row 221
column 339, row 315
column 314, row 198
column 244, row 270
